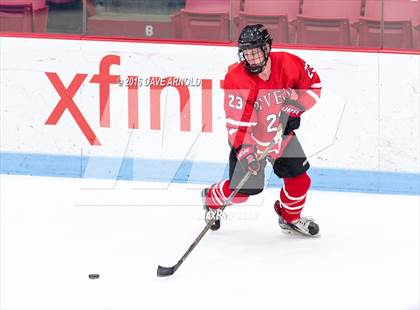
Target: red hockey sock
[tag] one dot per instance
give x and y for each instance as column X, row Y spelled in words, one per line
column 293, row 196
column 219, row 192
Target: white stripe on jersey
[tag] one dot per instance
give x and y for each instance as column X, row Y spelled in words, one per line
column 232, row 131
column 316, row 85
column 312, row 94
column 237, row 123
column 259, row 142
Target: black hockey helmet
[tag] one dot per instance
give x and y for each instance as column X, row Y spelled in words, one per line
column 254, row 36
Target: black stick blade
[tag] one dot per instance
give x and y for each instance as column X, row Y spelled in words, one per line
column 165, row 271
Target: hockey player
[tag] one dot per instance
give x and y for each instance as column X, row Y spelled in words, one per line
column 263, row 91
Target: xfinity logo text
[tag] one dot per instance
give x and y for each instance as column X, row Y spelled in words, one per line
column 104, row 80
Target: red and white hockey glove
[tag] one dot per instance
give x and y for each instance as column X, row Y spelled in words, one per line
column 290, row 116
column 248, row 154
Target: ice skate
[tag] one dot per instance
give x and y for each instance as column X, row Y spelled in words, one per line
column 304, row 225
column 210, row 213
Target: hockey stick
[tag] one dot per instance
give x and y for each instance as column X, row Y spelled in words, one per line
column 168, row 271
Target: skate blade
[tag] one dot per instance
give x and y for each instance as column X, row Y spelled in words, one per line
column 295, row 232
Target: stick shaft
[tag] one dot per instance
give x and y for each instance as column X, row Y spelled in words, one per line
column 229, row 199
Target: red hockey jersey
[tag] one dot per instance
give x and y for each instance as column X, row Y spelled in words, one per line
column 252, row 105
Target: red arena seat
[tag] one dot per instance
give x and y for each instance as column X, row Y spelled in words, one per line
column 204, row 20
column 400, row 16
column 23, row 15
column 273, row 14
column 36, row 4
column 327, row 22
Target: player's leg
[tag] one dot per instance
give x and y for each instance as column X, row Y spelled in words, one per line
column 215, row 196
column 292, row 167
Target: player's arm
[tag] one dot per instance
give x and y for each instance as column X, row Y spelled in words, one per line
column 239, row 112
column 240, row 120
column 308, row 86
column 304, row 96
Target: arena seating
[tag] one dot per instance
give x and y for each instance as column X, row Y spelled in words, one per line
column 400, row 16
column 23, row 15
column 204, row 20
column 327, row 22
column 275, row 15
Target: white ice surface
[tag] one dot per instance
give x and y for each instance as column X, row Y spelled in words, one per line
column 55, row 231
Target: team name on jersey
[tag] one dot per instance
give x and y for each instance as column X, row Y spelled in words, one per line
column 277, row 96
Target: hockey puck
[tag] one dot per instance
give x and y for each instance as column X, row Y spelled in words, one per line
column 93, row 276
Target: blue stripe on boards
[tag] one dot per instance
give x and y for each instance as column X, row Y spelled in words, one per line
column 364, row 181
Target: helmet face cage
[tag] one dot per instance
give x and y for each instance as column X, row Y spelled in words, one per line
column 254, row 36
